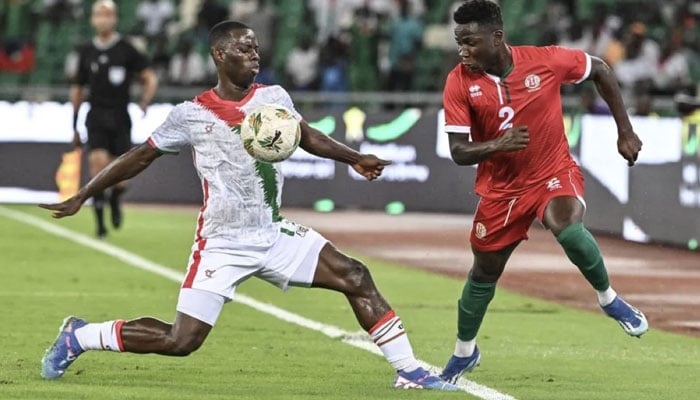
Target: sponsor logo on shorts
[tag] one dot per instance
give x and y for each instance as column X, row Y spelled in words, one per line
column 554, row 184
column 208, row 128
column 301, row 230
column 480, row 231
column 209, row 272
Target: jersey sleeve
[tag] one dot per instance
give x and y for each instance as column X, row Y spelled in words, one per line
column 173, row 134
column 456, row 104
column 137, row 60
column 570, row 65
column 83, row 73
column 282, row 98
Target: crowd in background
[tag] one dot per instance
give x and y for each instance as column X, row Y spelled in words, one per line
column 363, row 45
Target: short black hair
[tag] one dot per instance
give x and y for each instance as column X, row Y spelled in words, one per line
column 221, row 31
column 483, row 12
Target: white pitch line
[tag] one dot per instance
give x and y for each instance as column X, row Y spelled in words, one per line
column 359, row 340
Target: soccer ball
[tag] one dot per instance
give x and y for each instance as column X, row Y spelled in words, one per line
column 270, row 133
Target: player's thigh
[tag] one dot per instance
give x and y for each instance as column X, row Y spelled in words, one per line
column 120, row 140
column 498, row 223
column 561, row 200
column 198, row 310
column 337, row 271
column 294, row 257
column 220, row 270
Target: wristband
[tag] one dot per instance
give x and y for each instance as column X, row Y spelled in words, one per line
column 75, row 121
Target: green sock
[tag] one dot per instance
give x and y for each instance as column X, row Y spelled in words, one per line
column 582, row 249
column 471, row 308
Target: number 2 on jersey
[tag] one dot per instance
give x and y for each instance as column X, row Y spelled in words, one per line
column 508, row 113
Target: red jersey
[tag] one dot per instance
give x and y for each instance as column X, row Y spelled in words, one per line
column 485, row 106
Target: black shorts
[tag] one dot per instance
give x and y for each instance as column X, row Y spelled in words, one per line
column 109, row 129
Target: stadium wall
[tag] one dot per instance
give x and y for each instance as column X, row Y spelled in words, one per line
column 656, row 201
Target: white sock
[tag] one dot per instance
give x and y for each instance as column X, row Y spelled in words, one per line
column 465, row 348
column 606, row 297
column 389, row 335
column 101, row 336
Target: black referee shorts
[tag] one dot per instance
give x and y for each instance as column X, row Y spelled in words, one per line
column 109, row 129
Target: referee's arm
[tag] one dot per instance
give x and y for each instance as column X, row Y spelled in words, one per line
column 76, row 98
column 149, row 80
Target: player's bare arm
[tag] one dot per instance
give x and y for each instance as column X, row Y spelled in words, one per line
column 466, row 152
column 628, row 143
column 316, row 143
column 126, row 166
column 149, row 80
column 76, row 99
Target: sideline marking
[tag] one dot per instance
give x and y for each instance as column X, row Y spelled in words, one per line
column 359, row 340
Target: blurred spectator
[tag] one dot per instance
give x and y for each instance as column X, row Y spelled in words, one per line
column 262, row 20
column 211, row 13
column 16, row 56
column 641, row 57
column 591, row 103
column 334, row 66
column 160, row 60
column 187, row 67
column 333, row 16
column 673, row 73
column 240, row 10
column 70, row 64
column 643, row 101
column 406, row 33
column 59, row 11
column 302, row 65
column 266, row 76
column 153, row 15
column 364, row 69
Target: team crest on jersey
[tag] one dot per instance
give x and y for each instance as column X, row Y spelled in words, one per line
column 475, row 91
column 532, row 82
column 480, row 230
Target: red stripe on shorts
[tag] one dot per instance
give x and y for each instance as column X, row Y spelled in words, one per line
column 201, row 242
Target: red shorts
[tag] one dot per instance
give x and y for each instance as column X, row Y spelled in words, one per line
column 503, row 221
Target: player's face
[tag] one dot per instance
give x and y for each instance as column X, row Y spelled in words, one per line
column 104, row 18
column 238, row 58
column 478, row 46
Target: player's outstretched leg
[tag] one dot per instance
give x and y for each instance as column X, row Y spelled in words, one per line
column 339, row 272
column 632, row 321
column 64, row 350
column 582, row 249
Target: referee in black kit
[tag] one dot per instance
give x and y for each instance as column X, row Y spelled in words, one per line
column 107, row 65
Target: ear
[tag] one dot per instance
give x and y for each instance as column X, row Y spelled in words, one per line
column 218, row 55
column 497, row 38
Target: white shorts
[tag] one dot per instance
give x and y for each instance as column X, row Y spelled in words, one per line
column 290, row 261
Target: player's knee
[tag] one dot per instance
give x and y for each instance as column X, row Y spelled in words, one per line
column 184, row 346
column 358, row 276
column 485, row 275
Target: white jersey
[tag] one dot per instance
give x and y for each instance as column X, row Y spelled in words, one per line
column 242, row 196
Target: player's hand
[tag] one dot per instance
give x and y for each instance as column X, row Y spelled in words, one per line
column 76, row 140
column 629, row 145
column 515, row 138
column 370, row 166
column 65, row 209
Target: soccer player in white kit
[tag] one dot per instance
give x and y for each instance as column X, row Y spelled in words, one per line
column 239, row 231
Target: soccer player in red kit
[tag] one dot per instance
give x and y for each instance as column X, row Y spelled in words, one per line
column 503, row 111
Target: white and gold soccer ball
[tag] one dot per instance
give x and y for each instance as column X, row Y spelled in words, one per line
column 270, row 133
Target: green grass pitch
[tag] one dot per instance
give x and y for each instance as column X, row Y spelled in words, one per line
column 531, row 349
